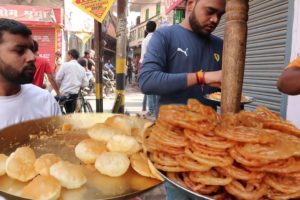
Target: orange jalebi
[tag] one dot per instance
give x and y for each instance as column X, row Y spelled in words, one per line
column 240, row 173
column 245, row 134
column 286, row 166
column 198, row 187
column 208, row 139
column 248, row 192
column 250, row 155
column 211, row 177
column 210, row 160
column 191, row 164
column 282, row 183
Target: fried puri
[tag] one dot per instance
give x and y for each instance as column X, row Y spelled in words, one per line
column 88, row 150
column 139, row 163
column 102, row 132
column 42, row 188
column 124, row 144
column 3, row 159
column 43, row 163
column 113, row 164
column 69, row 175
column 20, row 164
column 121, row 122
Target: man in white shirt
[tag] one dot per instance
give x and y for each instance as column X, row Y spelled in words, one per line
column 70, row 78
column 20, row 102
column 152, row 99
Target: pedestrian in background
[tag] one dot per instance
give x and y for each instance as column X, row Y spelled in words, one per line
column 43, row 68
column 57, row 62
column 71, row 78
column 150, row 98
column 129, row 71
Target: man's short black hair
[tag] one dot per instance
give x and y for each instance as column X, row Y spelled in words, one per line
column 35, row 46
column 150, row 26
column 83, row 62
column 13, row 27
column 74, row 53
column 87, row 52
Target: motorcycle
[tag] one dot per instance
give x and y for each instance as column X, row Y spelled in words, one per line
column 109, row 83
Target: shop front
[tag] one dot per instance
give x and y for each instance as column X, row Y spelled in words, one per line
column 45, row 23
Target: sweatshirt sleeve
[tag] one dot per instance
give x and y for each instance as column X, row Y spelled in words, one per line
column 154, row 77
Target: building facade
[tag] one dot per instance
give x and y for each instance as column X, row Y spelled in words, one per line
column 154, row 11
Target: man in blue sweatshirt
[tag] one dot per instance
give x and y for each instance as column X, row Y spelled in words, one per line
column 184, row 61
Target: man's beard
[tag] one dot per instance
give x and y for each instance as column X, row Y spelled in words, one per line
column 16, row 77
column 196, row 26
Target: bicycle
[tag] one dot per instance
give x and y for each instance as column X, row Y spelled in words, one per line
column 82, row 104
column 61, row 102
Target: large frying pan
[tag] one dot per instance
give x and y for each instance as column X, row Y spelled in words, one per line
column 45, row 136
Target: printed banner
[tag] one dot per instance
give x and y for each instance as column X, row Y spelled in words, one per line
column 97, row 9
column 28, row 13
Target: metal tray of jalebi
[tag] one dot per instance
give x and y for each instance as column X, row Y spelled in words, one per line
column 46, row 136
column 181, row 187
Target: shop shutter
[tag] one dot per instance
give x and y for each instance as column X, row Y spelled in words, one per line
column 45, row 36
column 265, row 59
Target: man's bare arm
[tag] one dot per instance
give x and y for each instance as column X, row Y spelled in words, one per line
column 289, row 81
column 53, row 83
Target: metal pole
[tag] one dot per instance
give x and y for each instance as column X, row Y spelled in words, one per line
column 234, row 54
column 119, row 106
column 98, row 56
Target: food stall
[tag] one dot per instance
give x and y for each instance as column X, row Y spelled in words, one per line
column 237, row 155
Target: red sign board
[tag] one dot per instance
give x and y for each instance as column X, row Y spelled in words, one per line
column 171, row 4
column 37, row 15
column 46, row 40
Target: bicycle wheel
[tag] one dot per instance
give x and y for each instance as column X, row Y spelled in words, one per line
column 87, row 107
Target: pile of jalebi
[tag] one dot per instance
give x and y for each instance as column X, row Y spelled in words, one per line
column 249, row 155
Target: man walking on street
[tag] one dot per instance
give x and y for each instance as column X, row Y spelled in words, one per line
column 70, row 78
column 151, row 98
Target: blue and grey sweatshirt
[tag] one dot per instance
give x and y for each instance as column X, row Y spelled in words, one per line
column 172, row 53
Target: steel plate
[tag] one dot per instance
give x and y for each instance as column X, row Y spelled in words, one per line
column 184, row 189
column 249, row 100
column 45, row 136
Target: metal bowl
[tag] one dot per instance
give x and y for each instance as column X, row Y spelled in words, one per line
column 46, row 136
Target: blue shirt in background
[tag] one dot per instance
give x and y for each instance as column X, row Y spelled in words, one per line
column 173, row 52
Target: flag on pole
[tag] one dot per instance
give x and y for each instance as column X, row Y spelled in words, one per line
column 97, row 9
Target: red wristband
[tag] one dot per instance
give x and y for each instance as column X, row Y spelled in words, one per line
column 200, row 77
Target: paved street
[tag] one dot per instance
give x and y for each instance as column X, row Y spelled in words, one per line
column 133, row 101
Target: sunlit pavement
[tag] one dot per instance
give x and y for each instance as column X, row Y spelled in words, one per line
column 133, row 101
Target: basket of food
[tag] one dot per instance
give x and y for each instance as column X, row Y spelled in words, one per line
column 249, row 155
